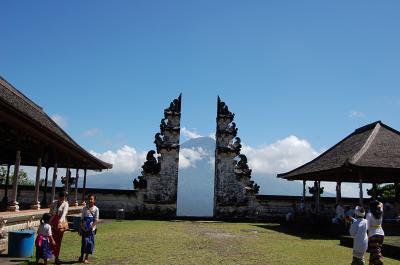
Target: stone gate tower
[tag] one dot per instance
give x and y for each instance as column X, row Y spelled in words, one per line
column 234, row 192
column 159, row 179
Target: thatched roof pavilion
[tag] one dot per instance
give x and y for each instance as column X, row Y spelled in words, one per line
column 371, row 154
column 28, row 136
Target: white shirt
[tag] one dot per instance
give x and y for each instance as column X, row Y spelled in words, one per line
column 374, row 225
column 45, row 230
column 91, row 212
column 358, row 231
column 61, row 211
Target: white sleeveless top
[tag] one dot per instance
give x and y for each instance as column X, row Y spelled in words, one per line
column 61, row 211
column 374, row 225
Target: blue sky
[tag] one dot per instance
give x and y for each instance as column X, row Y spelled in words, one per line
column 313, row 69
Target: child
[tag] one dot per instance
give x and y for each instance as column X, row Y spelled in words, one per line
column 43, row 239
column 358, row 230
column 90, row 217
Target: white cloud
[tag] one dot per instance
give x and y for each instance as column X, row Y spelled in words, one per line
column 212, row 135
column 124, row 160
column 91, row 132
column 279, row 157
column 189, row 134
column 189, row 156
column 356, row 114
column 60, row 120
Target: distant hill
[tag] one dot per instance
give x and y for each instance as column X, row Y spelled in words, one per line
column 196, row 184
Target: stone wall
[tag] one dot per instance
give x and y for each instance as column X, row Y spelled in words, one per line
column 108, row 200
column 234, row 192
column 159, row 179
column 275, row 207
column 265, row 207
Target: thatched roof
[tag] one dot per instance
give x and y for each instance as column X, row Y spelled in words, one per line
column 371, row 152
column 20, row 115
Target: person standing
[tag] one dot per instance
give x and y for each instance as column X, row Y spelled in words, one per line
column 339, row 218
column 59, row 224
column 358, row 231
column 90, row 218
column 44, row 240
column 376, row 234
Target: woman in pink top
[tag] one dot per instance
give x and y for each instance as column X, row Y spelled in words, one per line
column 375, row 233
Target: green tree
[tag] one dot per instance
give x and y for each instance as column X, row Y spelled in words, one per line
column 383, row 192
column 23, row 178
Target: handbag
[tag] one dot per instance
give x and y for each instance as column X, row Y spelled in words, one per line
column 63, row 226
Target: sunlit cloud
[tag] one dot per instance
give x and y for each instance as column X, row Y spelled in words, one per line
column 189, row 156
column 279, row 157
column 189, row 134
column 124, row 160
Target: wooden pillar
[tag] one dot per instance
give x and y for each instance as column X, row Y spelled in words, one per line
column 318, row 196
column 338, row 191
column 66, row 184
column 397, row 197
column 374, row 191
column 5, row 198
column 397, row 191
column 36, row 204
column 83, row 202
column 13, row 206
column 304, row 190
column 44, row 199
column 53, row 184
column 76, row 187
column 361, row 193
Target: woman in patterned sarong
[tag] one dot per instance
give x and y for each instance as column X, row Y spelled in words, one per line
column 375, row 233
column 90, row 217
column 59, row 212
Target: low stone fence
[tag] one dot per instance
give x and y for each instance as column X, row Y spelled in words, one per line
column 25, row 219
column 266, row 207
column 275, row 207
column 108, row 200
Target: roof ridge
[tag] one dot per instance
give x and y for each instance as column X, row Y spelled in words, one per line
column 19, row 94
column 366, row 145
column 367, row 127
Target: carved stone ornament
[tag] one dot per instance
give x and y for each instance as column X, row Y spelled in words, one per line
column 175, row 107
column 313, row 190
column 242, row 163
column 166, row 125
column 252, row 188
column 241, row 168
column 159, row 141
column 231, row 130
column 237, row 146
column 140, row 183
column 223, row 110
column 151, row 166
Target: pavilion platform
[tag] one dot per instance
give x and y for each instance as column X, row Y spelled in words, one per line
column 14, row 221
